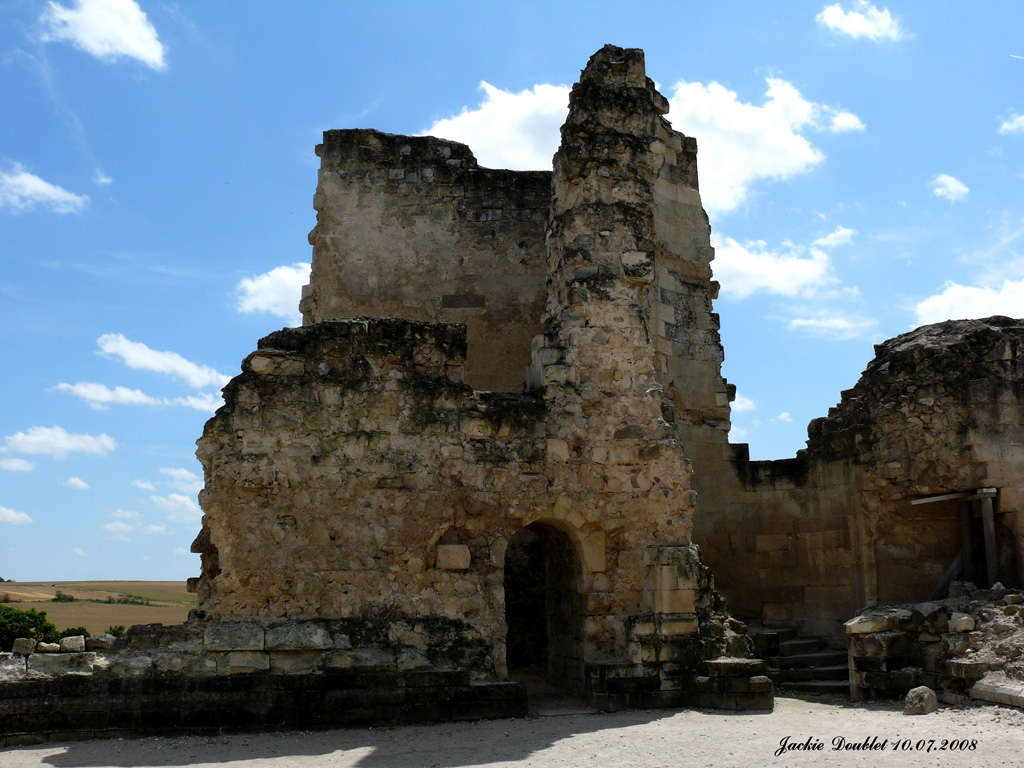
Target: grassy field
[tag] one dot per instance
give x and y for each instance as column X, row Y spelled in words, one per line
column 98, row 605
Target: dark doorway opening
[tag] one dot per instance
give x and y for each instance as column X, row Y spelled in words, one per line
column 544, row 609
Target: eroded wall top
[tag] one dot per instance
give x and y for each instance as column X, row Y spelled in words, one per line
column 412, row 227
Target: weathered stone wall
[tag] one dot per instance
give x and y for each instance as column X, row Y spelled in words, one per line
column 352, row 474
column 815, row 538
column 412, row 227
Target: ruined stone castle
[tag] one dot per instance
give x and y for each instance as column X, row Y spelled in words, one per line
column 499, row 444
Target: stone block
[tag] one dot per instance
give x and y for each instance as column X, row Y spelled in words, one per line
column 920, row 701
column 24, row 645
column 300, row 636
column 869, row 623
column 961, row 622
column 242, row 662
column 103, row 642
column 72, row 644
column 124, row 665
column 243, row 636
column 452, row 557
column 360, row 658
column 409, row 659
column 48, row 648
column 12, row 667
column 59, row 664
column 296, row 662
column 191, row 664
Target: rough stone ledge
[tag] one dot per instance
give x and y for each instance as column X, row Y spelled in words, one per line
column 999, row 691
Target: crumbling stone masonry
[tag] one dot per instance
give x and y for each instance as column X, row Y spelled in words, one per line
column 353, row 473
column 395, row 528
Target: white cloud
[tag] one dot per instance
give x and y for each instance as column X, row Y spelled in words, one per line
column 137, row 355
column 1014, row 124
column 949, row 187
column 832, row 325
column 106, row 29
column 13, row 518
column 839, row 236
column 742, row 403
column 182, row 479
column 125, row 514
column 100, row 397
column 746, row 268
column 76, row 483
column 181, row 551
column 143, row 485
column 21, row 191
column 178, row 507
column 277, row 292
column 17, row 465
column 118, row 531
column 784, row 416
column 841, row 121
column 866, row 21
column 959, row 302
column 156, row 530
column 510, row 130
column 77, row 551
column 741, row 144
column 101, row 178
column 58, row 443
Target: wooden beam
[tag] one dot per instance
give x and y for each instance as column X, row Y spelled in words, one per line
column 989, row 525
column 940, row 497
column 942, row 588
column 966, row 542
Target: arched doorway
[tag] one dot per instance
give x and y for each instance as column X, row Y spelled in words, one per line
column 544, row 608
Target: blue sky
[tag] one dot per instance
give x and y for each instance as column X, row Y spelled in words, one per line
column 861, row 164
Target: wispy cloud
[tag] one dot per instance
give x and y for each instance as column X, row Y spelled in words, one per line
column 101, row 178
column 182, row 479
column 139, row 356
column 76, row 483
column 751, row 267
column 78, row 552
column 1013, row 124
column 106, row 29
column 742, row 404
column 11, row 517
column 57, row 443
column 832, row 324
column 144, row 485
column 865, row 21
column 17, row 465
column 277, row 292
column 23, row 191
column 838, row 236
column 100, row 397
column 178, row 507
column 949, row 187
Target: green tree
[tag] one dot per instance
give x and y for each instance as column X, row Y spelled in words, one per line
column 15, row 623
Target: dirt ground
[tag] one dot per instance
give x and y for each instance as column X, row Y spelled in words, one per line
column 992, row 736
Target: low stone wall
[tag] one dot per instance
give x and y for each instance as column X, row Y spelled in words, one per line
column 947, row 644
column 247, row 675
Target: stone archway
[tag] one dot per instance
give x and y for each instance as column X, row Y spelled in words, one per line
column 544, row 608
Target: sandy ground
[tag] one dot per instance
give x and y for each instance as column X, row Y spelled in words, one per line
column 648, row 738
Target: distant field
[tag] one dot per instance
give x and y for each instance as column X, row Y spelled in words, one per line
column 95, row 606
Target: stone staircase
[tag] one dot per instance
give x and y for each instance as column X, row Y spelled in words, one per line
column 803, row 664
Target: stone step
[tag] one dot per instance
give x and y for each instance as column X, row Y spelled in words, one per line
column 801, row 674
column 826, row 658
column 840, row 687
column 801, row 645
